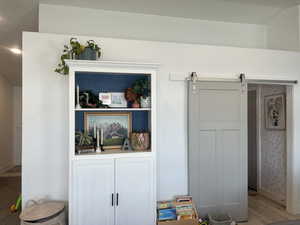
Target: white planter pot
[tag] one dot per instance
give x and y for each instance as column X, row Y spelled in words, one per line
column 146, row 102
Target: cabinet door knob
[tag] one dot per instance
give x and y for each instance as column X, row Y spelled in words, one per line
column 112, row 199
column 117, row 199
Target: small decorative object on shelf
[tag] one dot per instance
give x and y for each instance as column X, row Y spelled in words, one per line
column 140, row 141
column 105, row 98
column 75, row 50
column 88, row 99
column 126, row 145
column 113, row 99
column 118, row 100
column 78, row 106
column 146, row 102
column 84, row 142
column 132, row 98
column 99, row 147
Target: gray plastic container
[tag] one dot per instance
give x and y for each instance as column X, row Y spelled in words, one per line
column 219, row 219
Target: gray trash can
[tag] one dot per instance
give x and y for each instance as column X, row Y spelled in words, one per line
column 43, row 213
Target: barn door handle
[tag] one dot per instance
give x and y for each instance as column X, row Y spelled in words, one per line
column 117, row 199
column 112, row 199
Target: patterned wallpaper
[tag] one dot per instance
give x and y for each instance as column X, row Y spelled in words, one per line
column 273, row 151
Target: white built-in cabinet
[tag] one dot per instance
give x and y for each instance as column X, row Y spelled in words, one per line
column 114, row 187
column 92, row 198
column 113, row 191
column 134, row 188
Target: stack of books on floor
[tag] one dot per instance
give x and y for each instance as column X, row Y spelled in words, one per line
column 184, row 208
column 180, row 211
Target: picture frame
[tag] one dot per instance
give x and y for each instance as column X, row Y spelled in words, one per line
column 118, row 100
column 105, row 97
column 275, row 112
column 116, row 127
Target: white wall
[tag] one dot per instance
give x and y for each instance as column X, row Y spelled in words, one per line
column 45, row 104
column 17, row 124
column 283, row 30
column 273, row 153
column 82, row 21
column 6, row 124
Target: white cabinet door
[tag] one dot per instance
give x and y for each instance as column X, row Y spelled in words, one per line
column 92, row 189
column 135, row 189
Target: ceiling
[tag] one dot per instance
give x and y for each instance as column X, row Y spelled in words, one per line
column 22, row 15
column 15, row 16
column 240, row 11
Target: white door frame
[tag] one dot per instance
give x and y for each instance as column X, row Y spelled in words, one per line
column 289, row 140
column 289, row 147
column 257, row 90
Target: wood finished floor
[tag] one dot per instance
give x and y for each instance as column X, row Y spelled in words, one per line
column 10, row 188
column 263, row 211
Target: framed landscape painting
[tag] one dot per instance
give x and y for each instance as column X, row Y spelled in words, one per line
column 116, row 127
column 275, row 112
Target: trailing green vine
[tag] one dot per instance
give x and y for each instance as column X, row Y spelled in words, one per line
column 73, row 51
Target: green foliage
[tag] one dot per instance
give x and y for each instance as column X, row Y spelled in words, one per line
column 73, row 51
column 142, row 87
column 94, row 101
column 114, row 141
column 92, row 45
column 83, row 139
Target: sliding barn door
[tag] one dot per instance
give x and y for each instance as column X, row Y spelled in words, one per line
column 218, row 147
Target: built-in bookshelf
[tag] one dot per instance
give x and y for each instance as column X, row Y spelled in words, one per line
column 103, row 181
column 87, row 79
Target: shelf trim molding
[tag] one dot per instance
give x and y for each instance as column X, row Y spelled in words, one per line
column 112, row 64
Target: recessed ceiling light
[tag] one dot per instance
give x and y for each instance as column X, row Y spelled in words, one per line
column 16, row 51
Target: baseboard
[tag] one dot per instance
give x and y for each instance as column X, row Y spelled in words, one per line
column 279, row 199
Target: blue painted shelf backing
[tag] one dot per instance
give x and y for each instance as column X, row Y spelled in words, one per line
column 110, row 82
column 106, row 82
column 139, row 120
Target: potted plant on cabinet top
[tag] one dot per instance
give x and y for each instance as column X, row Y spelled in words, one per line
column 75, row 50
column 90, row 52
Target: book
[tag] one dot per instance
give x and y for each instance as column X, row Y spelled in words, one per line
column 184, row 199
column 167, row 214
column 165, row 204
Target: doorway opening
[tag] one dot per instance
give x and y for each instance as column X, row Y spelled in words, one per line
column 268, row 146
column 10, row 151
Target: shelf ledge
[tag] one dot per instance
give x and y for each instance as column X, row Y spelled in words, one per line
column 113, row 109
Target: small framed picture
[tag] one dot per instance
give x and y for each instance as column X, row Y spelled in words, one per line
column 118, row 100
column 275, row 112
column 105, row 98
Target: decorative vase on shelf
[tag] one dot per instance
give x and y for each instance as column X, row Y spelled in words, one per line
column 140, row 141
column 146, row 102
column 135, row 104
